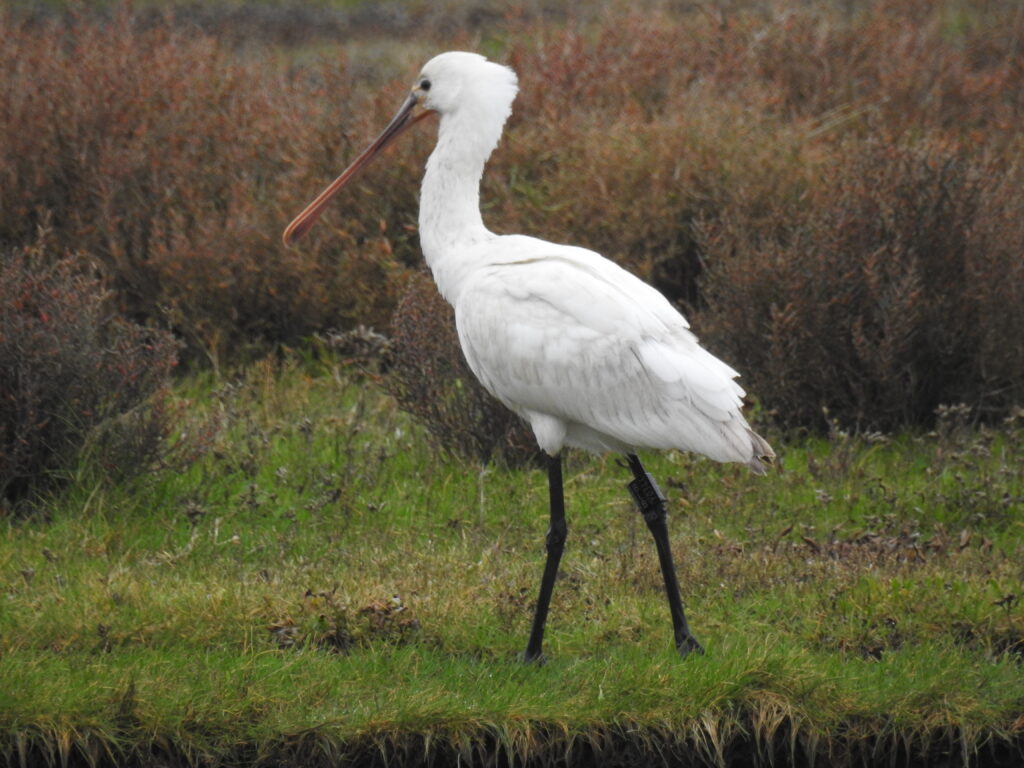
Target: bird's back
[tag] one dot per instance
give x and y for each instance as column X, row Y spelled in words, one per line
column 594, row 357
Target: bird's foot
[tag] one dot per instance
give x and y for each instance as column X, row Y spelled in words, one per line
column 688, row 644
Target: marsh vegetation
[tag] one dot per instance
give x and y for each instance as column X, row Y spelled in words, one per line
column 311, row 542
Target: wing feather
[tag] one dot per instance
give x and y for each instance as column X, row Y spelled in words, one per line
column 568, row 334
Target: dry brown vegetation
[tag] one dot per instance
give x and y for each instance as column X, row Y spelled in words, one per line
column 834, row 196
column 72, row 376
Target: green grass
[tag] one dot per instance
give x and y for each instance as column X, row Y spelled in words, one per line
column 320, row 583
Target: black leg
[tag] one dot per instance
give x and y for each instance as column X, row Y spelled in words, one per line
column 651, row 501
column 555, row 545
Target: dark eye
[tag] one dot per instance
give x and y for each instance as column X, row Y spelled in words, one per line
column 424, row 84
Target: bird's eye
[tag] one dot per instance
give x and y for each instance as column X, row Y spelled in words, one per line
column 424, row 84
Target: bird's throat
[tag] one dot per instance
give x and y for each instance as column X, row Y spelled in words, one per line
column 450, row 222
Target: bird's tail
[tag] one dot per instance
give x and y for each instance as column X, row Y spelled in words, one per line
column 763, row 455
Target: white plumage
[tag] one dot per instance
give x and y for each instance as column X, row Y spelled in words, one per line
column 584, row 351
column 587, row 353
column 592, row 357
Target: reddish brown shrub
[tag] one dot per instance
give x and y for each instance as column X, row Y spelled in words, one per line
column 890, row 64
column 894, row 289
column 69, row 368
column 177, row 165
column 176, row 160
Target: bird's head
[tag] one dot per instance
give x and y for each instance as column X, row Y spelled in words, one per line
column 456, row 81
column 453, row 84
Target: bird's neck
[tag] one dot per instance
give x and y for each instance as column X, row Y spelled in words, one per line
column 450, row 222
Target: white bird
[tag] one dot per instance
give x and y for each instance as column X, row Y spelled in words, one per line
column 588, row 354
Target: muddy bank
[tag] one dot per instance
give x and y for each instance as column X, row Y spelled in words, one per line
column 541, row 747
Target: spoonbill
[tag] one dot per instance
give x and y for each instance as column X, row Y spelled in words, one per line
column 588, row 354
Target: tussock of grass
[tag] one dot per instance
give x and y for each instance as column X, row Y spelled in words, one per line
column 318, row 586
